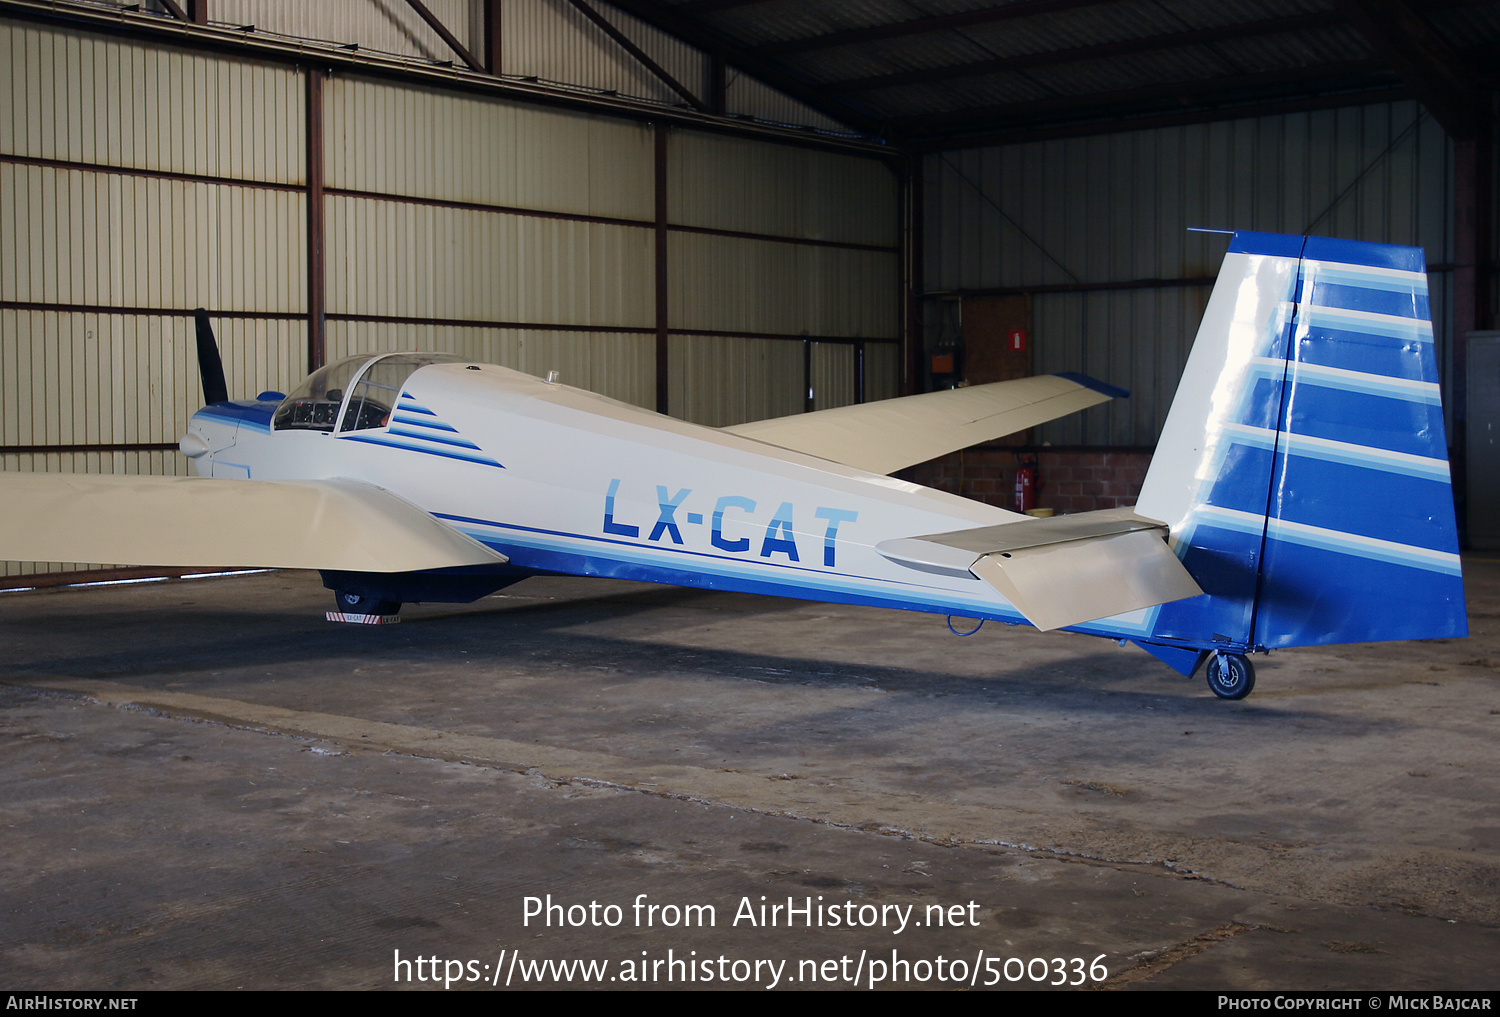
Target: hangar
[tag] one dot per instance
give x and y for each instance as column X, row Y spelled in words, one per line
column 721, row 210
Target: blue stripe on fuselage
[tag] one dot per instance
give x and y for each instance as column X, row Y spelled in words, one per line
column 436, row 425
column 425, row 450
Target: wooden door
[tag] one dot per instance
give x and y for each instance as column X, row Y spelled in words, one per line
column 990, row 327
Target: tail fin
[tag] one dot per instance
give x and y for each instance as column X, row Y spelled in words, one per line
column 1303, row 469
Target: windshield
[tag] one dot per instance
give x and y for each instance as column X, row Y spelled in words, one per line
column 314, row 406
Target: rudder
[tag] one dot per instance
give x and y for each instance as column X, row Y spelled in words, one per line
column 1303, row 467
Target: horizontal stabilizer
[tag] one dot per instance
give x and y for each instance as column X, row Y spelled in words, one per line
column 954, row 552
column 1061, row 571
column 892, row 434
column 185, row 521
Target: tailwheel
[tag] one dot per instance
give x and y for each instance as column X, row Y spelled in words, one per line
column 352, row 607
column 1230, row 675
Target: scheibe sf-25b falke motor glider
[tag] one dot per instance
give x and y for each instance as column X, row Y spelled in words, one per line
column 1299, row 494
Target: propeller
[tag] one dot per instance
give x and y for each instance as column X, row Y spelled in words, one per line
column 209, row 365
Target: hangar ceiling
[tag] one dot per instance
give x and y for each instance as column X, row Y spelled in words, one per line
column 946, row 73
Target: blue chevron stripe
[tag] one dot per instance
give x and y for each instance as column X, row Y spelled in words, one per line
column 404, row 446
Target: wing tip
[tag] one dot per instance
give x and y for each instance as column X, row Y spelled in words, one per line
column 1094, row 384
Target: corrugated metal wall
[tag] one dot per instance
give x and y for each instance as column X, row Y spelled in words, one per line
column 93, row 99
column 399, row 139
column 882, row 371
column 785, row 242
column 766, row 244
column 78, row 378
column 723, row 380
column 730, row 183
column 100, row 238
column 1117, row 208
column 731, row 284
column 506, row 230
column 138, row 181
column 831, row 375
column 387, row 258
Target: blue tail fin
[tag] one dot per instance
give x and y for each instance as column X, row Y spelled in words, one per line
column 1303, row 467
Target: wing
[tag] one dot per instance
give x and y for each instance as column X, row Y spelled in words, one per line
column 891, row 434
column 344, row 525
column 1061, row 571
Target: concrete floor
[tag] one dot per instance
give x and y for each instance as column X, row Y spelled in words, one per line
column 206, row 785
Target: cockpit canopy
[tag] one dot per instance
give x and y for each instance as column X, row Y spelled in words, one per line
column 364, row 388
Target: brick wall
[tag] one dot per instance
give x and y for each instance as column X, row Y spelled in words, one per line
column 1071, row 481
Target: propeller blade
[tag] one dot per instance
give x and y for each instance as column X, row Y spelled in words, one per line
column 215, row 390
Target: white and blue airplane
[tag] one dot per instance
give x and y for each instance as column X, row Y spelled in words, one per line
column 1299, row 494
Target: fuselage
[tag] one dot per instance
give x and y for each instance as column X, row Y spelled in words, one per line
column 566, row 481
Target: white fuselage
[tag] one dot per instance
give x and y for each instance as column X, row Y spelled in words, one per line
column 563, row 480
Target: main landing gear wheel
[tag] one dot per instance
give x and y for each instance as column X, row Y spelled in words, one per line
column 353, row 603
column 1230, row 675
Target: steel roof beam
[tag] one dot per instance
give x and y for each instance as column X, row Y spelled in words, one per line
column 714, row 6
column 694, row 34
column 1440, row 76
column 1347, row 74
column 1099, row 51
column 448, row 37
column 493, row 36
column 1185, row 118
column 918, row 26
column 645, row 61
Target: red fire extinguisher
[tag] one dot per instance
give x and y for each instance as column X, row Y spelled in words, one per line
column 1026, row 485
